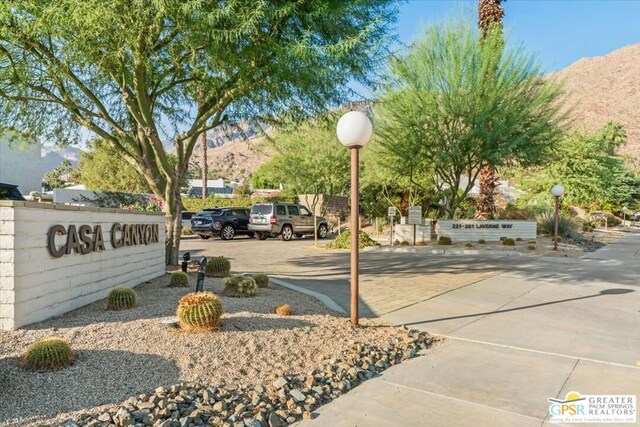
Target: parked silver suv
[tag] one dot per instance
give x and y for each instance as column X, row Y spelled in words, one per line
column 285, row 220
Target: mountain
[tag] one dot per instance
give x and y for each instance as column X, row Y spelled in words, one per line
column 605, row 88
column 53, row 155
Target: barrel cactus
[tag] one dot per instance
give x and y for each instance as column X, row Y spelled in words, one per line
column 179, row 279
column 48, row 354
column 217, row 267
column 240, row 286
column 121, row 299
column 199, row 311
column 509, row 242
column 262, row 280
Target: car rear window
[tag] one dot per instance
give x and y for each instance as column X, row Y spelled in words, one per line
column 261, row 209
column 187, row 215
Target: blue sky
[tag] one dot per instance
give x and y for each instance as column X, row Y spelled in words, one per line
column 558, row 31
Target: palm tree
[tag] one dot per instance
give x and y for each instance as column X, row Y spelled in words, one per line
column 614, row 134
column 204, row 168
column 490, row 14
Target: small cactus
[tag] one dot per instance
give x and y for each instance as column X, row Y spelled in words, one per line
column 239, row 286
column 509, row 242
column 121, row 299
column 283, row 310
column 217, row 267
column 262, row 280
column 199, row 311
column 179, row 279
column 444, row 240
column 481, row 241
column 48, row 354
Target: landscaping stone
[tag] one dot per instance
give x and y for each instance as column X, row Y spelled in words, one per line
column 286, row 400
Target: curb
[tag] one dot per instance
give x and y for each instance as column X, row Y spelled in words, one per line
column 328, row 302
column 444, row 251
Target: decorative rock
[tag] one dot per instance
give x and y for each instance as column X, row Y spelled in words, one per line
column 297, row 395
column 278, row 383
column 275, row 421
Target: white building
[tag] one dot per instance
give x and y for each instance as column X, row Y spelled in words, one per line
column 215, row 187
column 20, row 165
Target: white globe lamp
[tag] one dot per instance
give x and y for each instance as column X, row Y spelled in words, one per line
column 354, row 129
column 557, row 190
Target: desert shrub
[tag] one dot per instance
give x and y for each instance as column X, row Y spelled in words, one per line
column 121, row 298
column 179, row 279
column 546, row 224
column 509, row 242
column 396, row 242
column 240, row 286
column 518, row 239
column 48, row 354
column 589, row 226
column 199, row 310
column 343, row 241
column 421, row 243
column 444, row 240
column 405, row 243
column 481, row 241
column 262, row 280
column 217, row 267
column 186, row 231
column 531, row 247
column 283, row 310
column 468, row 245
column 531, row 242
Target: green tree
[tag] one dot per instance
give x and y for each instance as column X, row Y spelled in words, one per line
column 440, row 115
column 129, row 71
column 53, row 178
column 309, row 159
column 103, row 168
column 593, row 175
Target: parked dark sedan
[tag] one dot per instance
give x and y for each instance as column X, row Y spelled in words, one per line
column 223, row 222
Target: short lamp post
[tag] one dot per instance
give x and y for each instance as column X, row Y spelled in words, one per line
column 557, row 191
column 354, row 130
column 624, row 216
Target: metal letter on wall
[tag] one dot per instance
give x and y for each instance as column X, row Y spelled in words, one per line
column 51, row 241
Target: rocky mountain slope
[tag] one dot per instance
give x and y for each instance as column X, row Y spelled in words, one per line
column 605, row 88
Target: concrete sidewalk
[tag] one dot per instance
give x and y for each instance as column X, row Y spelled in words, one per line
column 512, row 341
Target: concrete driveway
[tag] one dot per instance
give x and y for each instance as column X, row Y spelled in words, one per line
column 517, row 330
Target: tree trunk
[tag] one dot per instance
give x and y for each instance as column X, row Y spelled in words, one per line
column 203, row 163
column 173, row 222
column 488, row 179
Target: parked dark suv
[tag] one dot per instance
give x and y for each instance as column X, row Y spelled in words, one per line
column 223, row 222
column 10, row 192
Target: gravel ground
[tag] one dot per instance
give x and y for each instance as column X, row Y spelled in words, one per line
column 121, row 354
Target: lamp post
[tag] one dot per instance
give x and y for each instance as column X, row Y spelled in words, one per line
column 354, row 130
column 557, row 191
column 624, row 216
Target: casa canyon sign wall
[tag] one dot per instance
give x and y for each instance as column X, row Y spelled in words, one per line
column 56, row 258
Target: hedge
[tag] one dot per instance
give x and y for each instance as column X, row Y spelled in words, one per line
column 195, row 204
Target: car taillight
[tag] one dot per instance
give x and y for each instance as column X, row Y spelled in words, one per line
column 274, row 220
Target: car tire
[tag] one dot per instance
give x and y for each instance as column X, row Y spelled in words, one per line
column 322, row 231
column 251, row 234
column 204, row 236
column 299, row 235
column 287, row 233
column 227, row 232
column 263, row 235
